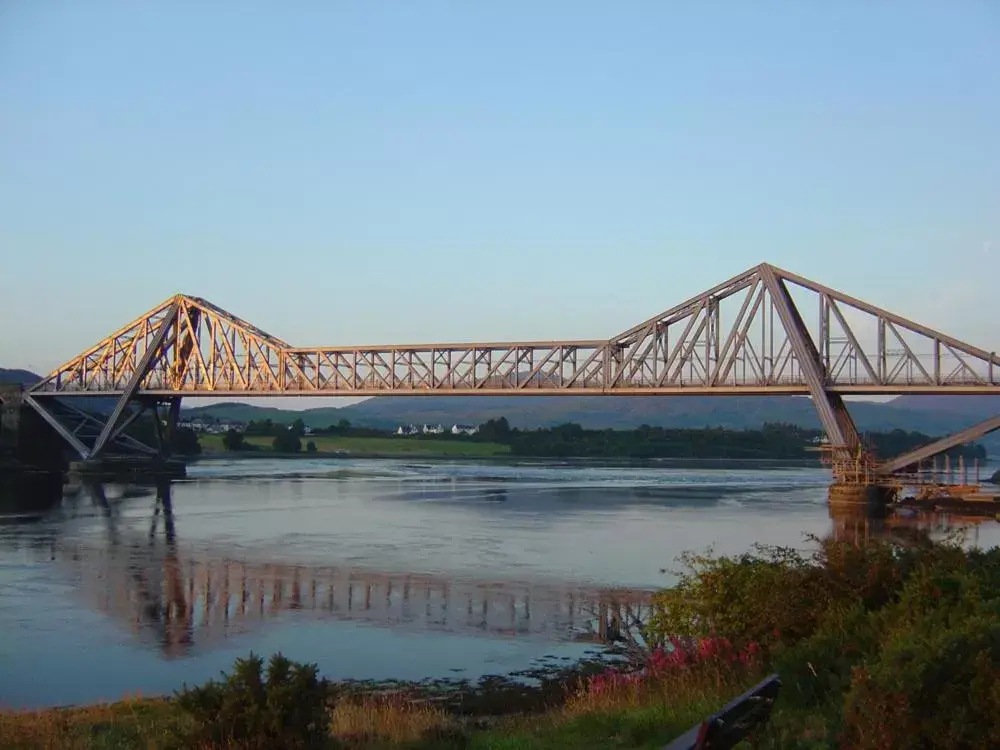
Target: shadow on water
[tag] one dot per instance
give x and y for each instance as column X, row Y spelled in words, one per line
column 27, row 495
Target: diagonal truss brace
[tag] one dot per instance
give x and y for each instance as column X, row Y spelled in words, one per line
column 72, row 434
column 930, row 450
column 118, row 436
column 149, row 357
column 67, row 435
column 840, row 428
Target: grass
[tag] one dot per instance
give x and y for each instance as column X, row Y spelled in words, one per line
column 134, row 722
column 373, row 446
column 627, row 721
column 611, row 709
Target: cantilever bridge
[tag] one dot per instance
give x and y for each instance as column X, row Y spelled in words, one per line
column 765, row 331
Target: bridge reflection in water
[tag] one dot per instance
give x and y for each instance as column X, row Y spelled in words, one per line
column 909, row 526
column 181, row 599
column 187, row 599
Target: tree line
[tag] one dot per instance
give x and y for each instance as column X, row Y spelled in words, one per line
column 571, row 440
column 288, row 438
column 772, row 441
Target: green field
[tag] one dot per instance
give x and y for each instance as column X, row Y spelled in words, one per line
column 367, row 446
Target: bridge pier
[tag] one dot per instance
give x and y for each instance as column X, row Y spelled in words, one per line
column 872, row 500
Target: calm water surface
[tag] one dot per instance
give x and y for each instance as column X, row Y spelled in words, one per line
column 371, row 568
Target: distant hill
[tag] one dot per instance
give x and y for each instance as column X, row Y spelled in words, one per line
column 26, row 378
column 598, row 412
column 975, row 407
column 18, row 377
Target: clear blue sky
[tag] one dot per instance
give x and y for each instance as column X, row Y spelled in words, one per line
column 373, row 172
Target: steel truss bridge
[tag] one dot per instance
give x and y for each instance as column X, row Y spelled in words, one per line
column 764, row 332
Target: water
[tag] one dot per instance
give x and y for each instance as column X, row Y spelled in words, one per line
column 373, row 569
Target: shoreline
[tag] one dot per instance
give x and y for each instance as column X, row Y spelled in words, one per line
column 679, row 462
column 445, row 690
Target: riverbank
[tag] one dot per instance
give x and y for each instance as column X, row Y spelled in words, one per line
column 331, row 447
column 335, row 445
column 560, row 708
column 507, row 459
column 890, row 644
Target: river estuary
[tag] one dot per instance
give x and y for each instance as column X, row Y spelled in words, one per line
column 373, row 569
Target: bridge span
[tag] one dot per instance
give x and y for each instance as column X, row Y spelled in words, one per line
column 764, row 331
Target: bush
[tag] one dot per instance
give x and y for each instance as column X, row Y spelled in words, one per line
column 286, row 441
column 817, row 670
column 882, row 645
column 310, row 447
column 765, row 595
column 233, row 440
column 185, row 442
column 930, row 688
column 287, row 708
column 776, row 596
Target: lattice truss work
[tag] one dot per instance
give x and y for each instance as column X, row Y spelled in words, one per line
column 765, row 331
column 743, row 336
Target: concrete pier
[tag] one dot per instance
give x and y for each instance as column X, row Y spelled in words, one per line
column 871, row 500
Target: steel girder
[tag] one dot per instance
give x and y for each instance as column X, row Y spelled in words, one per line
column 914, row 457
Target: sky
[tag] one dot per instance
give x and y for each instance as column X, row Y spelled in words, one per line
column 348, row 173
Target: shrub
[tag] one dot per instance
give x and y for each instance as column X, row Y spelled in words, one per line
column 310, row 447
column 930, row 688
column 286, row 441
column 762, row 596
column 775, row 596
column 232, row 440
column 685, row 663
column 286, row 708
column 817, row 670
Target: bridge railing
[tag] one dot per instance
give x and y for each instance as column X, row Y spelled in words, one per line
column 734, row 722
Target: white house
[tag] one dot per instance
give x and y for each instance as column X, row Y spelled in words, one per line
column 464, row 429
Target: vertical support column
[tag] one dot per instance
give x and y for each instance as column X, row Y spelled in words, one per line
column 883, row 368
column 824, row 331
column 937, row 362
column 173, row 417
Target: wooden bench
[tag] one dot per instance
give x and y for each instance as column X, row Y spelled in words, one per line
column 734, row 722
